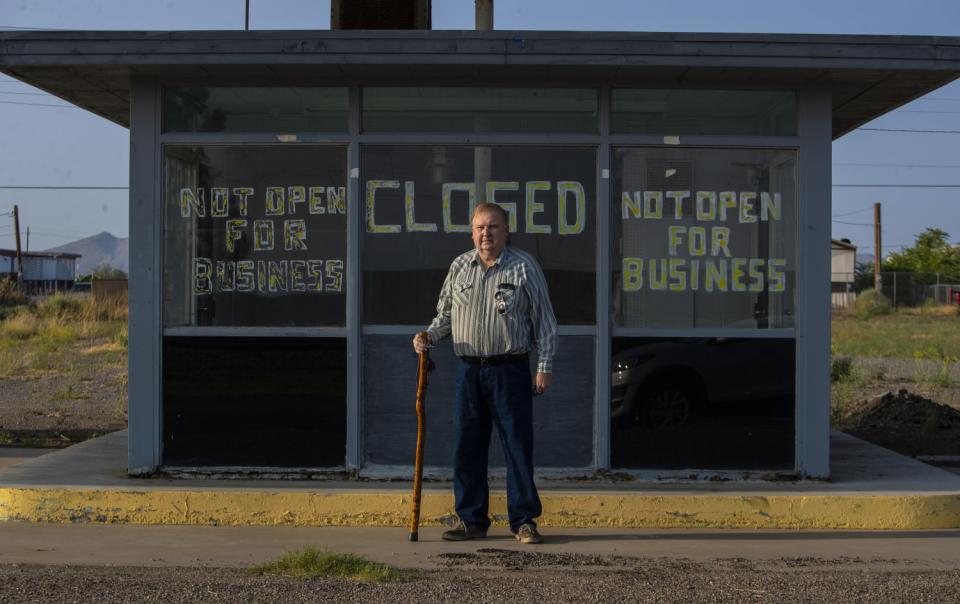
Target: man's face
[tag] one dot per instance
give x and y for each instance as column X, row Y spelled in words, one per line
column 489, row 233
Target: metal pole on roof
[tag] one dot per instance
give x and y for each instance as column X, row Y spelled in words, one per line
column 246, row 15
column 16, row 229
column 878, row 254
column 483, row 15
column 482, row 156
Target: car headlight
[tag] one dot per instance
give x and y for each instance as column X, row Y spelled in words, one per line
column 630, row 362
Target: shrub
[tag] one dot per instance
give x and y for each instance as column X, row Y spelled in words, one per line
column 105, row 271
column 870, row 303
column 840, row 368
column 940, row 373
column 22, row 326
column 122, row 337
column 12, row 362
column 61, row 306
column 10, row 295
column 110, row 308
column 931, row 308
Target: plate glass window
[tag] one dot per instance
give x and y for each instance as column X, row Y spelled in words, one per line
column 418, row 203
column 711, row 403
column 254, row 236
column 255, row 109
column 704, row 238
column 716, row 112
column 434, row 109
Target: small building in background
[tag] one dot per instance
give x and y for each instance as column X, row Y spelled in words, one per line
column 843, row 272
column 43, row 272
column 102, row 289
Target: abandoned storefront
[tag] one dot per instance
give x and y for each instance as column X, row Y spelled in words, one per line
column 296, row 199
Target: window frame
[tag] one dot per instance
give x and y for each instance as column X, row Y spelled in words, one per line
column 812, row 143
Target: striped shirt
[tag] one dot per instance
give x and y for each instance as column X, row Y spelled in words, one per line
column 501, row 310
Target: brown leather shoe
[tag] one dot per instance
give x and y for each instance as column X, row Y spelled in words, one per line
column 527, row 533
column 462, row 532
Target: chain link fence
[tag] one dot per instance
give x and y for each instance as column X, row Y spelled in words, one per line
column 903, row 289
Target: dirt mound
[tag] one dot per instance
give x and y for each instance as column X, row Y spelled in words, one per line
column 905, row 422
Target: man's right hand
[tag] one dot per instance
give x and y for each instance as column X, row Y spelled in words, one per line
column 421, row 342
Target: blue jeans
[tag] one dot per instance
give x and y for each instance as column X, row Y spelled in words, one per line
column 500, row 396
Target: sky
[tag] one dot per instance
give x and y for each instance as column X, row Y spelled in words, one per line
column 46, row 143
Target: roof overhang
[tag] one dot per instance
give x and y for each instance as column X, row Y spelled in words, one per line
column 868, row 75
column 839, row 244
column 13, row 253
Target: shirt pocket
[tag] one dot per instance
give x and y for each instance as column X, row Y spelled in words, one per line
column 505, row 298
column 462, row 290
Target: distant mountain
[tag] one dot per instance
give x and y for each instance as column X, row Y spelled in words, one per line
column 102, row 248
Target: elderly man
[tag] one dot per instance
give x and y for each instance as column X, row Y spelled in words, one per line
column 495, row 303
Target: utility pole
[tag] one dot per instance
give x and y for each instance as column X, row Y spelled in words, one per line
column 27, row 248
column 877, row 279
column 16, row 229
column 483, row 15
column 482, row 156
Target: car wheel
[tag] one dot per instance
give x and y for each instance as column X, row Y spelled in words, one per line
column 667, row 405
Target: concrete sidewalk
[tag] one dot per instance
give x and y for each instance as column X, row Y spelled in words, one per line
column 871, row 488
column 192, row 546
column 11, row 456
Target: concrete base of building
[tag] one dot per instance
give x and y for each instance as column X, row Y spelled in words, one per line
column 871, row 488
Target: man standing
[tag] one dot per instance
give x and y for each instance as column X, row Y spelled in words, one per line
column 495, row 303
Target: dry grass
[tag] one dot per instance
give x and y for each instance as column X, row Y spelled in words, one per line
column 939, row 310
column 112, row 346
column 21, row 326
column 903, row 333
column 12, row 362
column 35, row 337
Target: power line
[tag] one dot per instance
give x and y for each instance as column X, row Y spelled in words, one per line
column 925, row 111
column 886, row 245
column 851, row 213
column 33, row 28
column 853, row 223
column 39, row 104
column 901, row 165
column 898, row 186
column 47, row 94
column 910, row 130
column 57, row 235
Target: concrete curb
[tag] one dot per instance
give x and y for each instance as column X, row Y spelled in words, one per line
column 234, row 507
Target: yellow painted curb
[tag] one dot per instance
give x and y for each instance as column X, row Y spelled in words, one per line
column 392, row 508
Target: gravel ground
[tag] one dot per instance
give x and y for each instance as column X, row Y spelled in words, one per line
column 74, row 394
column 530, row 577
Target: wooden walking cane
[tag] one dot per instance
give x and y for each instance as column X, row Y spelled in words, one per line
column 423, row 378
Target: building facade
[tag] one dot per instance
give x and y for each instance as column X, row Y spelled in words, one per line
column 43, row 272
column 843, row 272
column 296, row 199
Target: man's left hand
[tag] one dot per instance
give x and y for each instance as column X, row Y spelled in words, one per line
column 542, row 382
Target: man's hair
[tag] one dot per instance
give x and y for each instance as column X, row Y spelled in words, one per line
column 490, row 207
